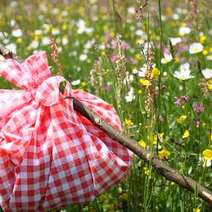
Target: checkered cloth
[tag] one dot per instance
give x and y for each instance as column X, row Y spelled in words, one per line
column 50, row 155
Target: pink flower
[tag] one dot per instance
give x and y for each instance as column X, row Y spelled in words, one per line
column 180, row 100
column 198, row 108
column 114, row 58
column 125, row 45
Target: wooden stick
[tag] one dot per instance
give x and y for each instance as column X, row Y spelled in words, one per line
column 160, row 166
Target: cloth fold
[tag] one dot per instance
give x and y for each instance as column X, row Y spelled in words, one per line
column 50, row 155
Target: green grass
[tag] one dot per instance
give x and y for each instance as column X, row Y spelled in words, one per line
column 153, row 110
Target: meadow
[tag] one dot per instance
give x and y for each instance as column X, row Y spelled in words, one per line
column 152, row 60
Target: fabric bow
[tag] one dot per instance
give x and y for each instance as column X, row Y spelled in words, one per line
column 33, row 76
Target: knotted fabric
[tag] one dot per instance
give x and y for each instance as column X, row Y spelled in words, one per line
column 50, row 155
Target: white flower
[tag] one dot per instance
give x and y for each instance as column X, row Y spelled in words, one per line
column 34, row 44
column 184, row 30
column 17, row 33
column 75, row 82
column 83, row 57
column 55, row 31
column 130, row 95
column 89, row 44
column 131, row 10
column 82, row 28
column 209, row 57
column 143, row 71
column 195, row 48
column 207, row 73
column 46, row 41
column 64, row 40
column 204, row 163
column 175, row 41
column 140, row 33
column 11, row 47
column 38, row 32
column 184, row 72
column 134, row 71
column 176, row 16
column 167, row 57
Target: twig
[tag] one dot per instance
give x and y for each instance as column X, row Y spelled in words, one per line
column 161, row 167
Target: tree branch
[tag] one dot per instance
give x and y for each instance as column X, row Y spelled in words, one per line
column 160, row 166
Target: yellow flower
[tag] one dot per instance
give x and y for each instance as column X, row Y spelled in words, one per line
column 155, row 73
column 186, row 134
column 164, row 154
column 202, row 38
column 128, row 123
column 146, row 171
column 155, row 139
column 64, row 27
column 207, row 154
column 177, row 59
column 196, row 210
column 139, row 91
column 19, row 40
column 205, row 52
column 181, row 119
column 142, row 144
column 138, row 57
column 146, row 83
column 209, row 84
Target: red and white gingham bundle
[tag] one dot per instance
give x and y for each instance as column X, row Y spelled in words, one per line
column 50, row 155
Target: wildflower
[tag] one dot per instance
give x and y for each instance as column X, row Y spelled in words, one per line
column 34, row 44
column 12, row 47
column 207, row 73
column 181, row 100
column 207, row 154
column 75, row 82
column 155, row 73
column 175, row 41
column 82, row 28
column 202, row 37
column 146, row 83
column 164, row 154
column 186, row 134
column 115, row 58
column 209, row 84
column 196, row 210
column 55, row 31
column 130, row 95
column 205, row 52
column 128, row 123
column 125, row 45
column 17, row 33
column 181, row 119
column 65, row 40
column 209, row 57
column 198, row 108
column 83, row 57
column 46, row 41
column 140, row 33
column 184, row 72
column 184, row 30
column 195, row 48
column 131, row 10
column 143, row 71
column 167, row 57
column 146, row 170
column 197, row 123
column 142, row 144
